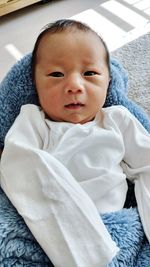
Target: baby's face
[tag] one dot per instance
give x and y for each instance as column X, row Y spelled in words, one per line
column 71, row 76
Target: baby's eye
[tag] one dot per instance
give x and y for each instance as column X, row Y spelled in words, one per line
column 56, row 74
column 90, row 73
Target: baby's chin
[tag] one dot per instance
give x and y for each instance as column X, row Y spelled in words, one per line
column 81, row 121
column 78, row 119
column 73, row 117
column 86, row 119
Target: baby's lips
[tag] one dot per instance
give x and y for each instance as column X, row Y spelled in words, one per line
column 74, row 105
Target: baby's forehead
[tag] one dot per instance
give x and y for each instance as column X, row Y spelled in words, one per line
column 50, row 36
column 58, row 39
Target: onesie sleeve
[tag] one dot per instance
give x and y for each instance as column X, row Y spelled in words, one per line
column 137, row 165
column 59, row 213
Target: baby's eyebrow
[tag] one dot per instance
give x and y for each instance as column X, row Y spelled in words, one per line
column 87, row 61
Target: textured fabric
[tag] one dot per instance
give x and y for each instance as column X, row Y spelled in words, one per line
column 17, row 89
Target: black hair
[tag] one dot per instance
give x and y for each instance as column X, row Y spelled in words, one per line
column 60, row 26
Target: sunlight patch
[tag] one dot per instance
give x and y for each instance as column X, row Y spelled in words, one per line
column 14, row 51
column 125, row 13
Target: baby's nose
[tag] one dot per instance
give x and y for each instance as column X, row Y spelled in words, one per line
column 74, row 85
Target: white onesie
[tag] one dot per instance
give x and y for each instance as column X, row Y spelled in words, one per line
column 60, row 176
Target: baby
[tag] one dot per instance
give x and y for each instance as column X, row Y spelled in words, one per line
column 66, row 161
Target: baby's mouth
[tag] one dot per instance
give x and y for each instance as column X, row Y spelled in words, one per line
column 74, row 106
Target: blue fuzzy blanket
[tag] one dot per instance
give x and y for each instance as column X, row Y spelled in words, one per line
column 18, row 248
